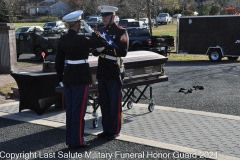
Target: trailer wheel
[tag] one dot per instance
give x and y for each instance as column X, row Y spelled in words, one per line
column 232, row 58
column 38, row 54
column 215, row 56
column 95, row 123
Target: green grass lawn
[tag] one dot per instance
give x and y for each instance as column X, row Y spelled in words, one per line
column 169, row 29
column 18, row 25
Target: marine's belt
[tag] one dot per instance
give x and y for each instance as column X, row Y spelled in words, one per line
column 108, row 57
column 82, row 61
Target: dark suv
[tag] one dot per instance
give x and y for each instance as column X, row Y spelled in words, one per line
column 139, row 38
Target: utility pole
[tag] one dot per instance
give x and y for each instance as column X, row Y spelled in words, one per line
column 149, row 16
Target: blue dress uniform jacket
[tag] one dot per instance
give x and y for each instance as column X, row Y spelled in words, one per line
column 108, row 69
column 76, row 80
column 76, row 47
column 109, row 85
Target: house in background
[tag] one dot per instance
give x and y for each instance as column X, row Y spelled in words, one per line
column 52, row 7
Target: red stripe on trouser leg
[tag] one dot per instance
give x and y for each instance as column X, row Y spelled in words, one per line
column 81, row 114
column 118, row 113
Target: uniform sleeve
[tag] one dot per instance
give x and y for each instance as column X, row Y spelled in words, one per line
column 59, row 61
column 122, row 42
column 95, row 52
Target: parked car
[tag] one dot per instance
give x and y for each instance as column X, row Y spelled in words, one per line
column 177, row 15
column 54, row 26
column 124, row 22
column 131, row 23
column 139, row 38
column 37, row 42
column 28, row 29
column 94, row 21
column 145, row 22
column 164, row 18
column 90, row 16
column 116, row 19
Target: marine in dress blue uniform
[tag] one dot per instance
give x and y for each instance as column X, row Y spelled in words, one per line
column 74, row 73
column 109, row 83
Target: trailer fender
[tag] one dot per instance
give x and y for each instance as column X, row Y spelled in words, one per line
column 215, row 54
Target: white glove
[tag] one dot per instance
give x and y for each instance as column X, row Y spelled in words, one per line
column 88, row 28
column 61, row 84
column 100, row 49
column 120, row 64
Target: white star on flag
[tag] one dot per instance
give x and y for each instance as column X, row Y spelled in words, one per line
column 110, row 42
column 103, row 35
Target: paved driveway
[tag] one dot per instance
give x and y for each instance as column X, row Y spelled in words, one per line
column 221, row 82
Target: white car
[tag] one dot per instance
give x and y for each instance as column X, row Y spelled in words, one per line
column 28, row 29
column 54, row 26
column 116, row 19
column 145, row 20
column 177, row 15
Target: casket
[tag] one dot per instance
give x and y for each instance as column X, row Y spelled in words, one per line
column 138, row 65
column 39, row 91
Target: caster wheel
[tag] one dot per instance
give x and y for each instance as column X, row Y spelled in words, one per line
column 95, row 123
column 129, row 104
column 151, row 107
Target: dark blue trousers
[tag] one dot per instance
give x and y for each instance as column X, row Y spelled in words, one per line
column 76, row 104
column 110, row 103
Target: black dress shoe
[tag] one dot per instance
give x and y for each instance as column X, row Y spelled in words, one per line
column 84, row 145
column 102, row 135
column 112, row 136
column 200, row 87
column 181, row 90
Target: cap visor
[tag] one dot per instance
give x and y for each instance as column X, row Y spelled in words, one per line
column 106, row 14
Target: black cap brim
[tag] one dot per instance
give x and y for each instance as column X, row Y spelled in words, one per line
column 106, row 14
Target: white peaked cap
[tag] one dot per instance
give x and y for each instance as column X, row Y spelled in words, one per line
column 107, row 9
column 73, row 16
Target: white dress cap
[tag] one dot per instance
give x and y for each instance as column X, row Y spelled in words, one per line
column 106, row 10
column 73, row 16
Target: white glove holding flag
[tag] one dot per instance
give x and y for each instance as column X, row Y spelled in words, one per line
column 61, row 84
column 90, row 30
column 100, row 49
column 87, row 28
